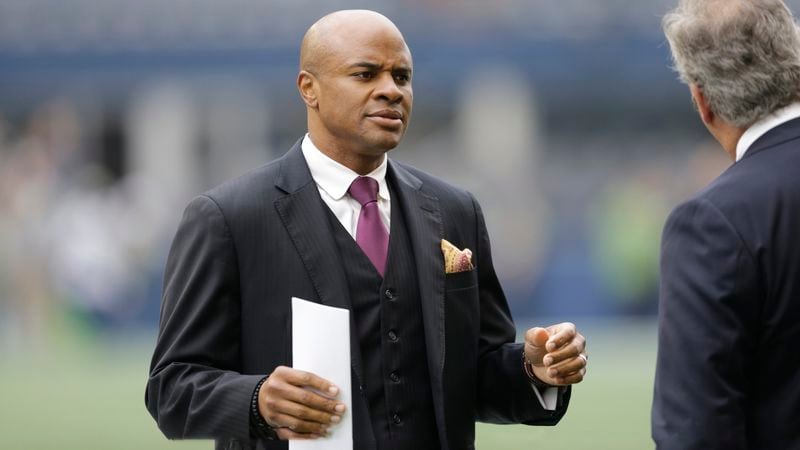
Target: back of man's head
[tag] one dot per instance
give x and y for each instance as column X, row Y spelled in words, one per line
column 743, row 54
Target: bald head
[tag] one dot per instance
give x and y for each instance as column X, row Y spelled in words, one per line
column 330, row 38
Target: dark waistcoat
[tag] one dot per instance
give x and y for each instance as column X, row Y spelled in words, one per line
column 388, row 323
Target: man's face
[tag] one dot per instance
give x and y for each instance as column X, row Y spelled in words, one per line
column 364, row 92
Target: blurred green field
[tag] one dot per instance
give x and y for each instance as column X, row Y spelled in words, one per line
column 87, row 393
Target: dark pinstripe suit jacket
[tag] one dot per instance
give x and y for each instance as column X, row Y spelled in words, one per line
column 728, row 373
column 245, row 248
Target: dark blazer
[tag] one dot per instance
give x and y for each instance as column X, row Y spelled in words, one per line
column 728, row 370
column 245, row 248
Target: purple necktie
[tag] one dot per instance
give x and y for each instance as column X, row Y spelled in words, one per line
column 371, row 234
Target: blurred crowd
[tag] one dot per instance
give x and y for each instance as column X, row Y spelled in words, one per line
column 208, row 24
column 89, row 201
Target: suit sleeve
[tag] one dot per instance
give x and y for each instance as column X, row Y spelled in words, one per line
column 708, row 302
column 505, row 395
column 194, row 389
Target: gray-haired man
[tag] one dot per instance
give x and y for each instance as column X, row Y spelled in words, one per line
column 728, row 371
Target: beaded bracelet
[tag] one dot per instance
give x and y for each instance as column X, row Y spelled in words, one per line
column 258, row 425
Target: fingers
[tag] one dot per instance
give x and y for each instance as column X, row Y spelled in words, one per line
column 291, row 423
column 305, row 413
column 564, row 360
column 566, row 367
column 536, row 336
column 535, row 339
column 312, row 403
column 283, row 398
column 560, row 334
column 307, row 379
column 567, row 372
column 290, row 401
column 564, row 342
column 286, row 434
column 568, row 351
column 291, row 384
column 573, row 378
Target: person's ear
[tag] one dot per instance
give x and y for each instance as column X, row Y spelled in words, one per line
column 701, row 104
column 307, row 84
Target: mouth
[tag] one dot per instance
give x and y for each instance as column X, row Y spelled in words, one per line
column 389, row 118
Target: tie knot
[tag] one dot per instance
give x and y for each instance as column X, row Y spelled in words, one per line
column 364, row 190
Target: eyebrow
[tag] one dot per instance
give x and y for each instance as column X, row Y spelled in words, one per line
column 375, row 67
column 366, row 65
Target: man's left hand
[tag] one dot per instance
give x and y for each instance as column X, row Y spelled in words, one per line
column 556, row 354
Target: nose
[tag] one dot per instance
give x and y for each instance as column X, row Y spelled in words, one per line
column 388, row 89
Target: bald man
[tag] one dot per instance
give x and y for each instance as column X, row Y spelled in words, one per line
column 336, row 222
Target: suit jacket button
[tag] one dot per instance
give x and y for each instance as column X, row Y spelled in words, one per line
column 396, row 419
column 389, row 294
column 392, row 336
column 394, row 377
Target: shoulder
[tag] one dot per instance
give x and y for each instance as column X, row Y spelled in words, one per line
column 737, row 207
column 698, row 216
column 708, row 213
column 761, row 176
column 256, row 190
column 239, row 200
column 750, row 194
column 448, row 194
column 250, row 184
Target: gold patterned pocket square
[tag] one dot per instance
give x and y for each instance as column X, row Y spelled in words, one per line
column 456, row 260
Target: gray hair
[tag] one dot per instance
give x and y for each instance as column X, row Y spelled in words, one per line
column 743, row 54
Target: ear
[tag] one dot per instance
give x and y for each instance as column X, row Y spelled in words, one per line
column 307, row 85
column 701, row 103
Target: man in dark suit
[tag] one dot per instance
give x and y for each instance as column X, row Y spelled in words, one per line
column 728, row 371
column 335, row 221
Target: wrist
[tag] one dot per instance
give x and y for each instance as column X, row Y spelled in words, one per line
column 527, row 366
column 258, row 426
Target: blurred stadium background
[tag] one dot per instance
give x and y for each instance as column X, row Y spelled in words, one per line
column 562, row 117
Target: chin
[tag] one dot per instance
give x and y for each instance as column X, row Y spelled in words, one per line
column 386, row 143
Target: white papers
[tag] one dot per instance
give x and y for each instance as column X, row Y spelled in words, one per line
column 321, row 345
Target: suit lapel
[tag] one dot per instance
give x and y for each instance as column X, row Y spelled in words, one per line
column 303, row 214
column 423, row 217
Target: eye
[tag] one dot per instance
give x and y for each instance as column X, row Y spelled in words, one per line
column 402, row 77
column 364, row 75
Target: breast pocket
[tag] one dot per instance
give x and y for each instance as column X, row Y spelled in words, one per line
column 461, row 304
column 462, row 329
column 460, row 280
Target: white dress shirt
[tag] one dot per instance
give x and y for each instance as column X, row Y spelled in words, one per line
column 334, row 179
column 761, row 127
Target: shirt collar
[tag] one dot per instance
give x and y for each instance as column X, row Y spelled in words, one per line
column 335, row 178
column 761, row 127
